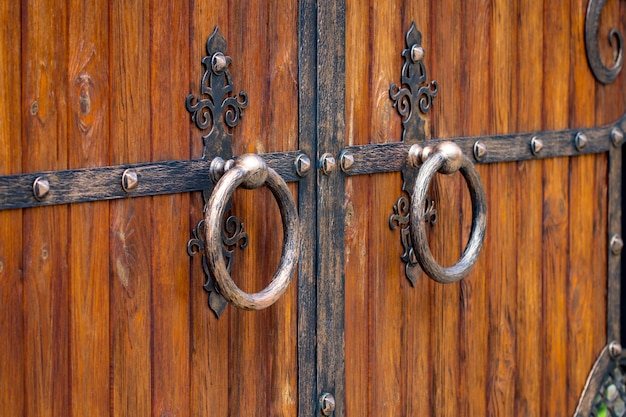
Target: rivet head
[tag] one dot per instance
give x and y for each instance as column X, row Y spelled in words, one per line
column 327, row 164
column 417, row 53
column 41, row 188
column 480, row 150
column 219, row 62
column 302, row 165
column 615, row 349
column 617, row 137
column 327, row 404
column 536, row 145
column 581, row 141
column 616, row 244
column 129, row 180
column 346, row 161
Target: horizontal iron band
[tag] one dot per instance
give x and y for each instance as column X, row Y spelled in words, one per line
column 105, row 183
column 391, row 157
column 173, row 177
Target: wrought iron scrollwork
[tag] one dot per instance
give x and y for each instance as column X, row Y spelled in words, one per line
column 413, row 93
column 400, row 218
column 217, row 110
column 233, row 236
column 604, row 74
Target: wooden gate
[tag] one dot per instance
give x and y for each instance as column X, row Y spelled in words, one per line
column 103, row 309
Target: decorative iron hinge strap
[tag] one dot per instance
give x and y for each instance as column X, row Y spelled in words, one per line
column 108, row 183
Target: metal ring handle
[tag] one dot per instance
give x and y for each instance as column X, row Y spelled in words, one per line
column 251, row 172
column 447, row 158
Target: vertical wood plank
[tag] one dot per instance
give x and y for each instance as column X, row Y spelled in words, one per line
column 475, row 119
column 11, row 280
column 169, row 54
column 386, row 309
column 331, row 106
column 210, row 336
column 582, row 277
column 282, row 68
column 502, row 216
column 357, row 212
column 130, row 226
column 307, row 209
column 88, row 137
column 528, row 334
column 45, row 230
column 446, row 242
column 249, row 377
column 556, row 59
column 415, row 361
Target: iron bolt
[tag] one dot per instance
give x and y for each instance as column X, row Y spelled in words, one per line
column 41, row 188
column 480, row 150
column 536, row 145
column 327, row 164
column 346, row 161
column 617, row 244
column 327, row 404
column 302, row 165
column 417, row 53
column 581, row 141
column 129, row 180
column 617, row 137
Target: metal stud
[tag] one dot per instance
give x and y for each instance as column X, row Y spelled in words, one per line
column 417, row 53
column 581, row 141
column 302, row 165
column 218, row 62
column 327, row 404
column 617, row 137
column 346, row 161
column 327, row 164
column 129, row 180
column 615, row 349
column 480, row 150
column 536, row 145
column 616, row 244
column 41, row 188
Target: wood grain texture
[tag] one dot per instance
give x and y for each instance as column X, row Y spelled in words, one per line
column 556, row 59
column 130, row 225
column 582, row 277
column 528, row 320
column 169, row 58
column 502, row 220
column 12, row 361
column 357, row 213
column 88, row 130
column 475, row 116
column 385, row 303
column 45, row 231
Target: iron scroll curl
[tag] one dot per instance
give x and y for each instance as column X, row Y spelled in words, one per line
column 604, row 74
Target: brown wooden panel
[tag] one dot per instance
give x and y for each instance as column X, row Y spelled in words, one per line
column 528, row 320
column 88, row 145
column 555, row 210
column 130, row 225
column 169, row 60
column 46, row 231
column 475, row 117
column 11, row 285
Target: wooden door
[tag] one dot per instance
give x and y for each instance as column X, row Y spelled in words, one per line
column 103, row 311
